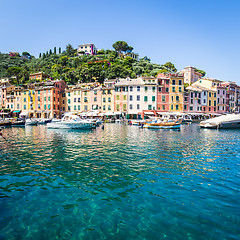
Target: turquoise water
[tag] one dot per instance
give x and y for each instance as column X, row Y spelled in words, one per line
column 120, row 183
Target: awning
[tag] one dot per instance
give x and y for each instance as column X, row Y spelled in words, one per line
column 101, row 114
column 23, row 113
column 133, row 113
column 117, row 113
column 16, row 111
column 109, row 113
column 149, row 113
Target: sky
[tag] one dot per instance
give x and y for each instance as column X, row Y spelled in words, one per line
column 201, row 33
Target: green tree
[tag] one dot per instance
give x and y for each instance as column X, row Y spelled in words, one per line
column 168, row 68
column 146, row 59
column 121, row 46
column 70, row 50
column 64, row 60
column 55, row 50
column 200, row 71
column 26, row 54
column 59, row 50
column 40, row 55
column 50, row 51
column 47, row 53
column 44, row 55
column 14, row 72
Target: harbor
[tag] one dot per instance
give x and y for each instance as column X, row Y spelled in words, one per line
column 120, row 182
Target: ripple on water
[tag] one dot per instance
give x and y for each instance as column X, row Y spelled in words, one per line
column 119, row 183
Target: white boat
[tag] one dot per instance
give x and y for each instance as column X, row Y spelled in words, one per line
column 224, row 121
column 72, row 121
column 31, row 121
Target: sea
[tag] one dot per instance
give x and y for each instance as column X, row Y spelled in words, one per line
column 120, row 182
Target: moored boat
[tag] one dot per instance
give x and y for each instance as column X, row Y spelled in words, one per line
column 31, row 121
column 225, row 121
column 18, row 122
column 163, row 125
column 72, row 121
column 5, row 123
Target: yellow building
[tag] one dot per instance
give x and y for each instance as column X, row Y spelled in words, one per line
column 176, row 93
column 212, row 101
column 28, row 102
column 108, row 92
column 72, row 100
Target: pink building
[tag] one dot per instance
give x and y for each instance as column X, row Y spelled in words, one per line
column 163, row 88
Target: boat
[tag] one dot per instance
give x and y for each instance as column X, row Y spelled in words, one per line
column 19, row 122
column 72, row 122
column 31, row 121
column 5, row 123
column 43, row 120
column 163, row 124
column 225, row 121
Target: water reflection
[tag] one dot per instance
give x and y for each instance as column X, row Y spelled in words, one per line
column 120, row 182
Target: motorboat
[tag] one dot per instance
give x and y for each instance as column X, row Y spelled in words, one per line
column 31, row 121
column 19, row 122
column 43, row 120
column 224, row 121
column 72, row 121
column 163, row 124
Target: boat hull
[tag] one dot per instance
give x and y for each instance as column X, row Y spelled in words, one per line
column 62, row 125
column 225, row 125
column 151, row 126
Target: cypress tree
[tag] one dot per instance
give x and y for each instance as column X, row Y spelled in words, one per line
column 55, row 50
column 40, row 55
column 50, row 52
column 59, row 50
column 44, row 55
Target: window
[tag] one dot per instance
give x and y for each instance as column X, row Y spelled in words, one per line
column 149, row 107
column 159, row 89
column 75, row 107
column 204, row 100
column 223, row 101
column 130, row 106
column 180, row 89
column 117, row 106
column 124, row 107
column 109, row 107
column 131, row 88
column 79, row 99
column 19, row 107
column 210, row 94
column 138, row 88
column 215, row 104
column 104, row 99
column 138, row 106
column 173, row 82
column 69, row 94
column 191, row 108
column 45, row 99
column 153, row 98
column 85, row 107
column 48, row 106
column 167, row 89
column 185, row 107
column 25, row 100
column 218, row 91
column 38, row 92
column 75, row 99
column 117, row 97
column 214, row 94
column 153, row 89
column 163, row 107
column 145, row 98
column 78, row 107
column 209, row 102
column 191, row 101
column 130, row 98
column 146, row 88
column 171, row 107
column 109, row 91
column 163, row 98
column 124, row 97
column 109, row 99
column 69, row 108
column 85, row 93
column 69, row 101
column 177, row 98
column 177, row 107
column 204, row 93
column 185, row 99
column 95, row 99
column 138, row 97
column 173, row 89
column 218, row 100
column 25, row 107
column 85, row 99
column 180, row 82
column 223, row 92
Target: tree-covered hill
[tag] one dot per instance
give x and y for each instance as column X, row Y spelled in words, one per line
column 85, row 68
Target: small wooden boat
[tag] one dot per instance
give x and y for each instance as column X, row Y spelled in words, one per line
column 5, row 123
column 163, row 125
column 18, row 123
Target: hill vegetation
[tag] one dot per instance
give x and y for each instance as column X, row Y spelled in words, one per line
column 67, row 65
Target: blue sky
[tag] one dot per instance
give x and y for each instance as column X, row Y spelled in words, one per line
column 200, row 33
